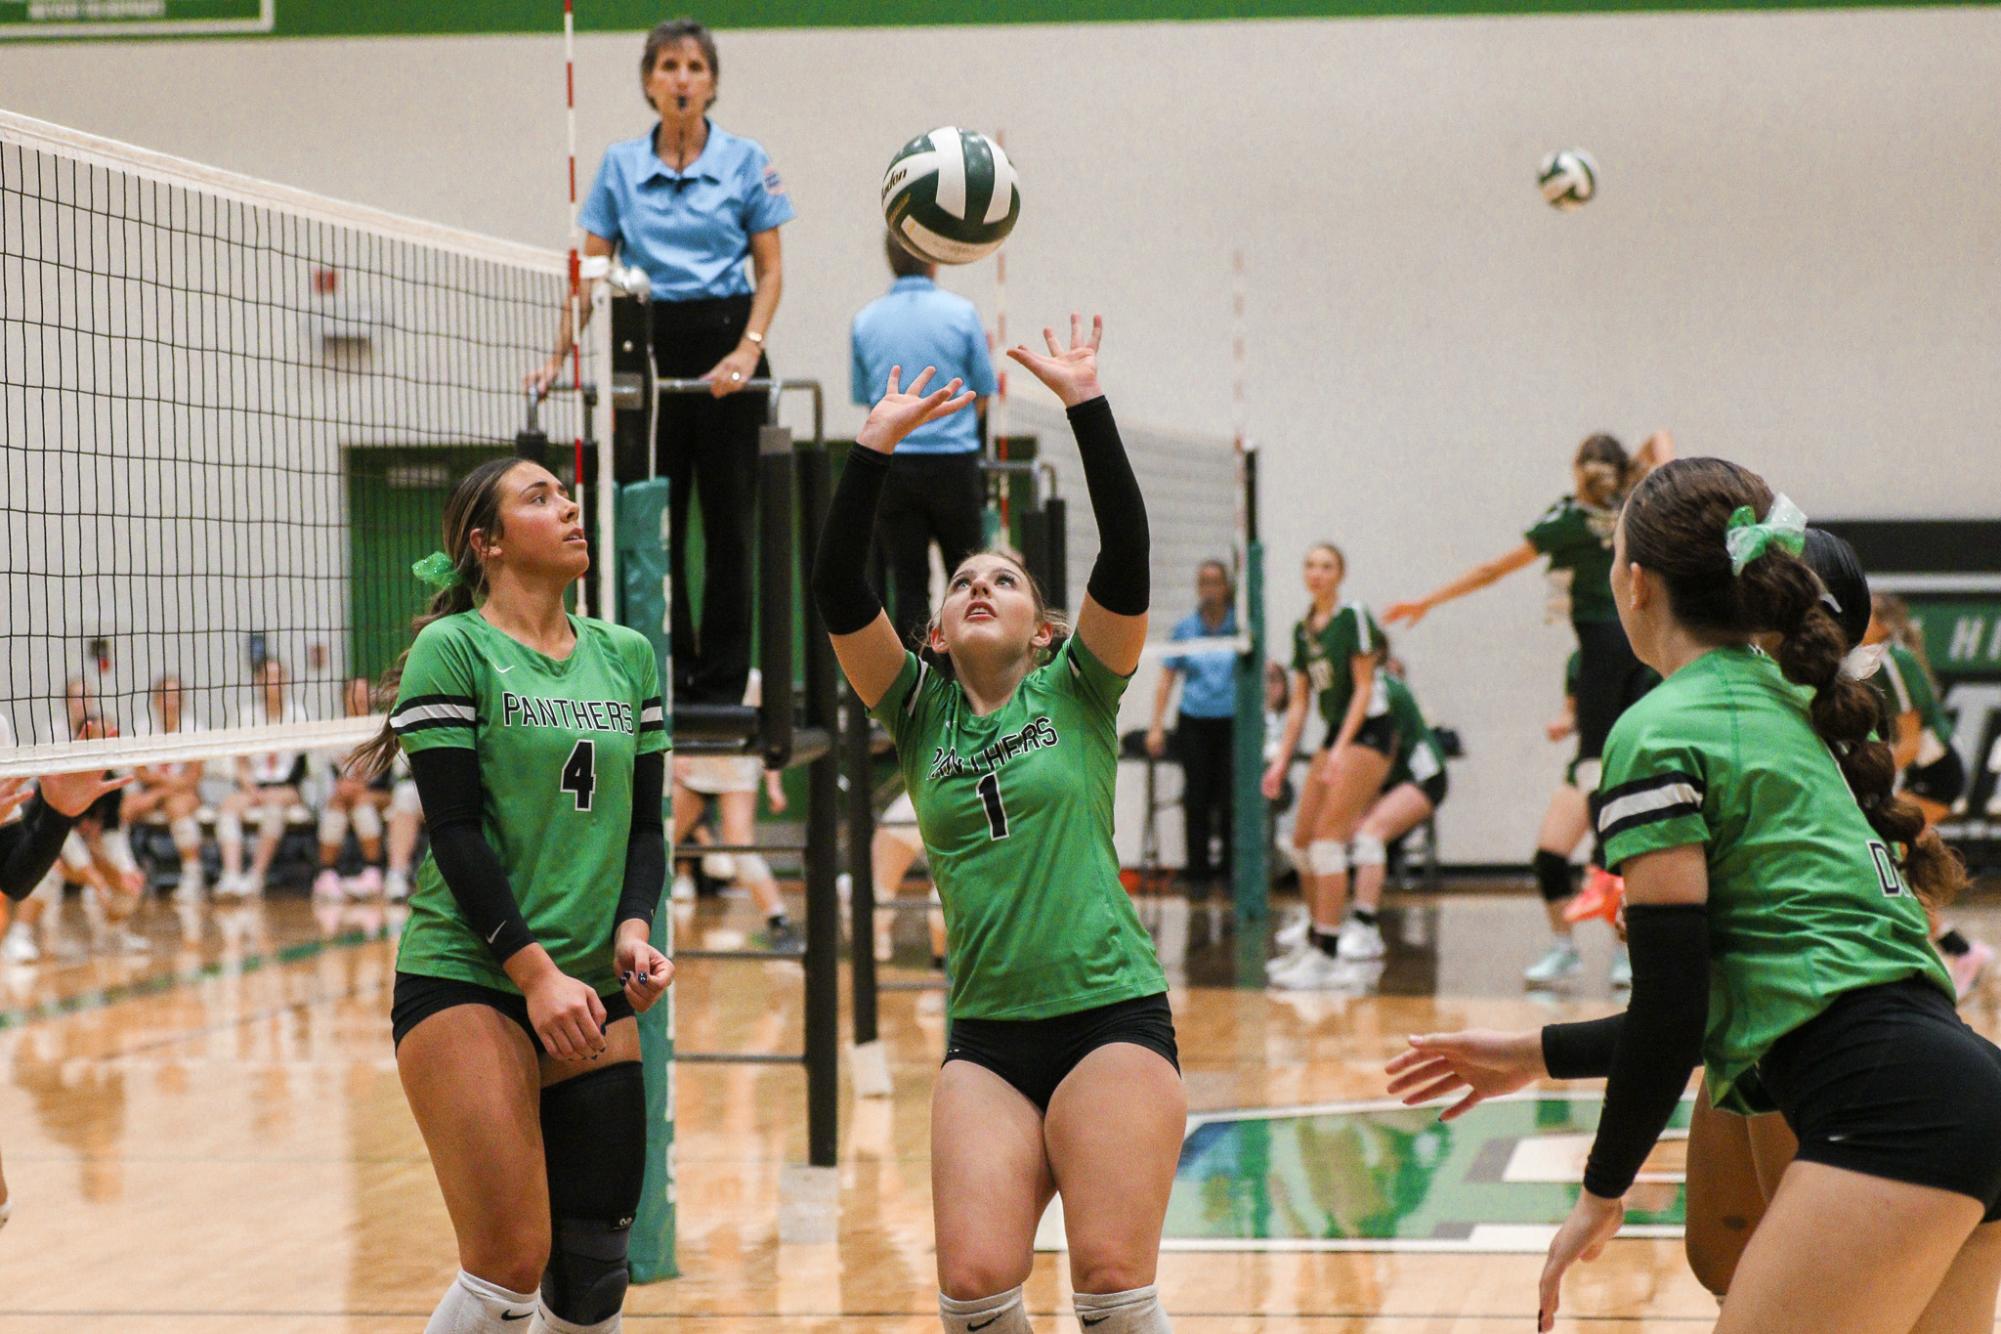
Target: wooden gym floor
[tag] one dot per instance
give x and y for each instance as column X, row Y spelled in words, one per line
column 212, row 1138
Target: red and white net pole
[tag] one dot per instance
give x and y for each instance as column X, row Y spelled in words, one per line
column 998, row 417
column 576, row 271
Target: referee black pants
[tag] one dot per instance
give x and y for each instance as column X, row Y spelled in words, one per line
column 927, row 498
column 708, row 447
column 1205, row 747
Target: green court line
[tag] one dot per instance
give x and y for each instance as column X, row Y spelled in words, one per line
column 99, row 998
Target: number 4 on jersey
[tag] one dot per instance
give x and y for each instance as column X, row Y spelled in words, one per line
column 580, row 774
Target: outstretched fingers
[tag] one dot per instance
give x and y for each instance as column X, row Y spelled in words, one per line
column 895, row 376
column 923, row 378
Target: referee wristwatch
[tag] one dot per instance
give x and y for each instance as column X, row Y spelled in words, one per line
column 755, row 337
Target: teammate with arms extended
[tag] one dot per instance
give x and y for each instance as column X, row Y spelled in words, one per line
column 1776, row 898
column 537, row 742
column 1061, row 1072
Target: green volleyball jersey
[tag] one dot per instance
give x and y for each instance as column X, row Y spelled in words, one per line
column 556, row 743
column 1327, row 657
column 1577, row 539
column 1907, row 688
column 1015, row 809
column 1805, row 899
column 1418, row 758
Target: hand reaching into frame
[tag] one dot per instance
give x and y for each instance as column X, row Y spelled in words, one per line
column 1070, row 372
column 899, row 412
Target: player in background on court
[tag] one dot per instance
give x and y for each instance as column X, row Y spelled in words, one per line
column 35, row 818
column 732, row 782
column 538, row 742
column 1335, row 652
column 1575, row 536
column 170, row 789
column 1204, row 728
column 1932, row 773
column 1061, row 1072
column 1777, row 895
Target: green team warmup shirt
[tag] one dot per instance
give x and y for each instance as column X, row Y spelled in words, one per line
column 1418, row 758
column 1327, row 657
column 556, row 743
column 1577, row 539
column 1016, row 814
column 1907, row 688
column 1805, row 900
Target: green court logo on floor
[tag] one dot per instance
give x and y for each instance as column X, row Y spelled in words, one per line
column 1379, row 1176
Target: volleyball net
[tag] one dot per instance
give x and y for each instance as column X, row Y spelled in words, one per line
column 231, row 412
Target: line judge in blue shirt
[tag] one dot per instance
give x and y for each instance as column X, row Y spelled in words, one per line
column 934, row 491
column 688, row 202
column 1204, row 734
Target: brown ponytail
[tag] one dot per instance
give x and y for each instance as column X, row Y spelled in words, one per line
column 1604, row 471
column 1675, row 523
column 473, row 505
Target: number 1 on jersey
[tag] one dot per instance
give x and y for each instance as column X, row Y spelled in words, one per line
column 580, row 773
column 990, row 797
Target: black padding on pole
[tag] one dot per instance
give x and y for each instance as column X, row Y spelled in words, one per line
column 774, row 592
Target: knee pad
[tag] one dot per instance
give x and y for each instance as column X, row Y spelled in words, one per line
column 751, row 868
column 594, row 1149
column 1368, row 850
column 1325, row 856
column 229, row 827
column 1587, row 773
column 367, row 820
column 1553, row 878
column 719, row 866
column 75, row 854
column 186, row 832
column 119, row 849
column 333, row 826
column 270, row 819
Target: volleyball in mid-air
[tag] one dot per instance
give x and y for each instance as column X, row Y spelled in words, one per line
column 950, row 196
column 1568, row 178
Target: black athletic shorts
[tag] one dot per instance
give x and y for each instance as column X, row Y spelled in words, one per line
column 1378, row 734
column 1035, row 1055
column 1435, row 788
column 1610, row 680
column 1891, row 1082
column 417, row 998
column 1942, row 781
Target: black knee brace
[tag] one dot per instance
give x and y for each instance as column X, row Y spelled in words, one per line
column 594, row 1148
column 1553, row 876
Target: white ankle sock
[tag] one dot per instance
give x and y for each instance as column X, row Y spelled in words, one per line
column 474, row 1306
column 999, row 1314
column 1135, row 1311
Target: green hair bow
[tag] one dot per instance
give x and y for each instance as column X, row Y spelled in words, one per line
column 437, row 570
column 1747, row 538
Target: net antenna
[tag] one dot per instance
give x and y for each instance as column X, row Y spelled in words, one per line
column 231, row 412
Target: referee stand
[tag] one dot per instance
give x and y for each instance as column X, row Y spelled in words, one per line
column 791, row 728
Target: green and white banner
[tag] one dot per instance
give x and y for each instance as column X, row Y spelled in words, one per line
column 133, row 18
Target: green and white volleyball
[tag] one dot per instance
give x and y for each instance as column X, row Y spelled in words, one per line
column 1569, row 178
column 951, row 196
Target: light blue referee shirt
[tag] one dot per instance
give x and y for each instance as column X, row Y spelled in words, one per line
column 690, row 230
column 1208, row 680
column 916, row 324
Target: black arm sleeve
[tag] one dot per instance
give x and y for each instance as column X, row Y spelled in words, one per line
column 1660, row 1040
column 840, row 579
column 448, row 782
column 30, row 846
column 1119, row 580
column 1582, row 1051
column 646, row 846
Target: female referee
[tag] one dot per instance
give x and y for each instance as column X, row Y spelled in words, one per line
column 1777, row 893
column 687, row 202
column 1575, row 534
column 1061, row 1071
column 1335, row 648
column 537, row 742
